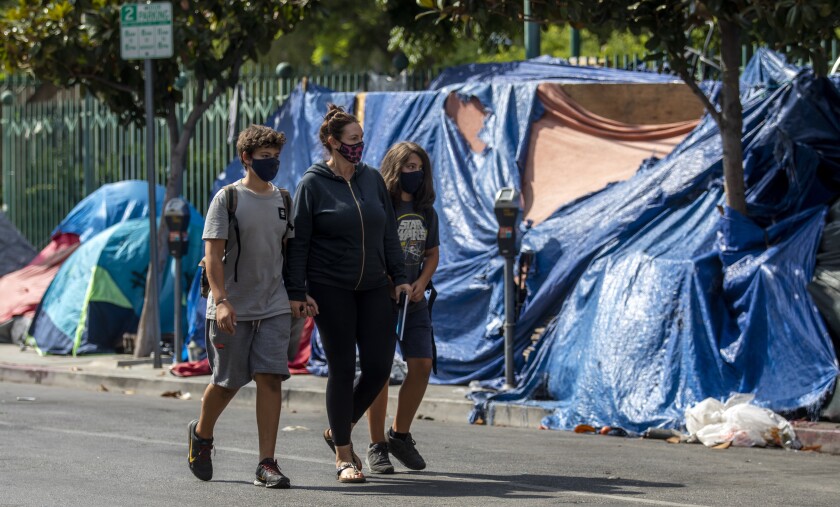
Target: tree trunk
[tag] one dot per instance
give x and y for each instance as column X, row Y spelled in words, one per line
column 731, row 119
column 174, row 187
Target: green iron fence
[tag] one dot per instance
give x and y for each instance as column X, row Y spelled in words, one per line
column 57, row 151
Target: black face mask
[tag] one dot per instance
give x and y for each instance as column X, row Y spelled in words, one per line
column 411, row 182
column 265, row 168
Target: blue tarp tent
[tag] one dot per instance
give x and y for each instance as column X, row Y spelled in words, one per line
column 659, row 301
column 98, row 293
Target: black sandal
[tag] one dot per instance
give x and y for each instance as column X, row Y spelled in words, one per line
column 355, row 479
column 328, row 439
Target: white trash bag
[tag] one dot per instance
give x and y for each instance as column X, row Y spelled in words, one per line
column 739, row 422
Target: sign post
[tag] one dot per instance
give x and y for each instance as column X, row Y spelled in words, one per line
column 146, row 33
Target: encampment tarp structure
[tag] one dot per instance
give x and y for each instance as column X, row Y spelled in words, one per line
column 108, row 205
column 15, row 250
column 97, row 294
column 652, row 298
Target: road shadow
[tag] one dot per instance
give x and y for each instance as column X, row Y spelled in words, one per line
column 514, row 486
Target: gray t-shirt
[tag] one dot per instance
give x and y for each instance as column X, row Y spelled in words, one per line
column 259, row 292
column 418, row 232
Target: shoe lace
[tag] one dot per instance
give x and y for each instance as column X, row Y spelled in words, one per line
column 205, row 450
column 270, row 467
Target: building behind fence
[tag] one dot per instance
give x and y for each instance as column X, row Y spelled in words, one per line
column 57, row 151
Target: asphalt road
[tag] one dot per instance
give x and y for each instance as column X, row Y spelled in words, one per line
column 69, row 448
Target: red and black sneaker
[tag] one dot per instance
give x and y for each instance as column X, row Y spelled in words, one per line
column 270, row 476
column 200, row 459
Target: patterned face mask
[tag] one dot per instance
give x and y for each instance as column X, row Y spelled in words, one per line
column 352, row 152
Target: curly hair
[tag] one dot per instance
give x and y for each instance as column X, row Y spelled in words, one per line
column 259, row 136
column 392, row 165
column 334, row 122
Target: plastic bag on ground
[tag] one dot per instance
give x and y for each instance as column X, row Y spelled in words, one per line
column 739, row 422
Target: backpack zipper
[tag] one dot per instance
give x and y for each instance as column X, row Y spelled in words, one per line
column 362, row 222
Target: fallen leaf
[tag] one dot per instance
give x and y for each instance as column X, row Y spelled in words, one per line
column 724, row 445
column 171, row 394
column 103, row 388
column 584, row 428
column 673, row 440
column 128, row 391
column 811, row 448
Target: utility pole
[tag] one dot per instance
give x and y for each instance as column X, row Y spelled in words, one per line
column 575, row 42
column 532, row 34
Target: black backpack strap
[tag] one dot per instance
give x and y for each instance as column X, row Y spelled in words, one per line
column 231, row 199
column 287, row 216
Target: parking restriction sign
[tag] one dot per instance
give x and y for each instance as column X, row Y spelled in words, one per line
column 146, row 31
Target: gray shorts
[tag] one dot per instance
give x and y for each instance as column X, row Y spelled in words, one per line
column 417, row 337
column 257, row 346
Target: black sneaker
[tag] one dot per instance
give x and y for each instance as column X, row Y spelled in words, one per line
column 200, row 452
column 377, row 459
column 270, row 476
column 405, row 451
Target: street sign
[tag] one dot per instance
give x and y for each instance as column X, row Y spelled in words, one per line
column 146, row 31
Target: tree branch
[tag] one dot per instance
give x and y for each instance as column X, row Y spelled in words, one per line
column 682, row 71
column 98, row 79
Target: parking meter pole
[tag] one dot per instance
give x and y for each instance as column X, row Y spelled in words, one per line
column 153, row 329
column 510, row 381
column 179, row 333
column 176, row 215
column 506, row 208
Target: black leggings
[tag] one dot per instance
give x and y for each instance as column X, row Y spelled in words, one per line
column 348, row 318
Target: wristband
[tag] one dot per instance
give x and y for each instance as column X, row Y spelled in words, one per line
column 223, row 300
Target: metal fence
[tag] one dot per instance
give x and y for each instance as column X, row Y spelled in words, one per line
column 57, row 151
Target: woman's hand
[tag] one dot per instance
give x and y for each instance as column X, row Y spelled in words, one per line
column 308, row 308
column 402, row 289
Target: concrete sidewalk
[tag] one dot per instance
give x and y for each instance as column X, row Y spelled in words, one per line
column 121, row 373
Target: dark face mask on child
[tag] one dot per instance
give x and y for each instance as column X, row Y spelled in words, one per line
column 265, row 168
column 411, row 182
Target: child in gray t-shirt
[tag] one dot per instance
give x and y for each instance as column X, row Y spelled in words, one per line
column 248, row 313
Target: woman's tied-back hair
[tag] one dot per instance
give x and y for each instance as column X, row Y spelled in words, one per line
column 334, row 122
column 391, row 167
column 259, row 136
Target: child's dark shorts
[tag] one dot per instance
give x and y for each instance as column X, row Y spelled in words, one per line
column 417, row 336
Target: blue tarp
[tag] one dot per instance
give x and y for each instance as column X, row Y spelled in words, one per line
column 709, row 304
column 97, row 294
column 108, row 205
column 543, row 68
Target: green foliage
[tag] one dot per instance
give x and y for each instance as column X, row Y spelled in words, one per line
column 795, row 27
column 68, row 43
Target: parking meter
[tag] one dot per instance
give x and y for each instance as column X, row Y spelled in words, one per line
column 177, row 216
column 506, row 207
column 507, row 214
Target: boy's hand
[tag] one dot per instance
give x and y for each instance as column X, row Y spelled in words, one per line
column 226, row 317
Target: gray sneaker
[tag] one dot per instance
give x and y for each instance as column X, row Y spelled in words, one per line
column 377, row 459
column 405, row 452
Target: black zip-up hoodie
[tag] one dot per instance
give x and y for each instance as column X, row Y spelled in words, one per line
column 345, row 233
